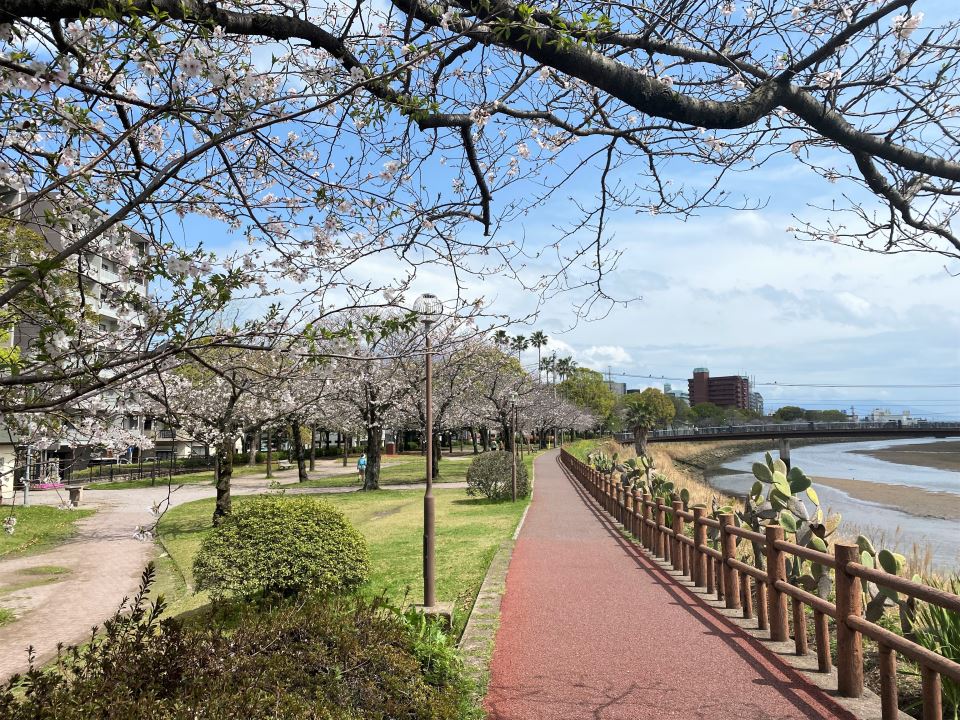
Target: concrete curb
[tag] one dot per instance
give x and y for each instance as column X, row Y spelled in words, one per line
column 476, row 643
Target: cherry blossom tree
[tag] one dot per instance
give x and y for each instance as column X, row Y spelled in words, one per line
column 393, row 130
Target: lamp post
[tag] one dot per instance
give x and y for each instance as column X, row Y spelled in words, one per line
column 428, row 307
column 513, row 443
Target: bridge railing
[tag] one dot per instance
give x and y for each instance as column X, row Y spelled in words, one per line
column 800, row 428
column 680, row 537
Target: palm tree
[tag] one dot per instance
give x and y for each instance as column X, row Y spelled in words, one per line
column 643, row 412
column 501, row 339
column 565, row 366
column 519, row 343
column 549, row 365
column 538, row 340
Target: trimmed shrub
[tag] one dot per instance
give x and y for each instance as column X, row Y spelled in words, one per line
column 490, row 475
column 282, row 545
column 322, row 658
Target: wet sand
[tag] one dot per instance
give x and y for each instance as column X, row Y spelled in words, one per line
column 911, row 500
column 943, row 455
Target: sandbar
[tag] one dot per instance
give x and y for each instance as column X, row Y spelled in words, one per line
column 943, row 455
column 911, row 500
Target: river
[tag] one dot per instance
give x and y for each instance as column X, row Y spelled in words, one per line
column 889, row 526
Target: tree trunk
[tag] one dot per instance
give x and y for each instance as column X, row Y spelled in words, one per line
column 224, row 473
column 326, row 442
column 437, row 455
column 254, row 446
column 346, row 443
column 313, row 448
column 296, row 440
column 641, row 442
column 269, row 454
column 473, row 439
column 371, row 479
column 506, row 436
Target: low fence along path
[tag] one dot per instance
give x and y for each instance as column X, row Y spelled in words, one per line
column 592, row 628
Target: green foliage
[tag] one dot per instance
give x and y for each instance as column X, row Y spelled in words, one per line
column 282, row 545
column 782, row 496
column 876, row 598
column 788, row 413
column 588, row 389
column 647, row 410
column 490, row 475
column 938, row 629
column 333, row 658
column 707, row 414
column 792, row 413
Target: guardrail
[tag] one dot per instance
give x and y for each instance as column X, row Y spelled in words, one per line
column 663, row 530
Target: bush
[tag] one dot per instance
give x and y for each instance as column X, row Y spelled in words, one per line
column 938, row 629
column 490, row 475
column 333, row 658
column 282, row 545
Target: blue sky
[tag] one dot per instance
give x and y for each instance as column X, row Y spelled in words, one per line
column 733, row 291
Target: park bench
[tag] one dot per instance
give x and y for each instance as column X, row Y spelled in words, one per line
column 284, row 465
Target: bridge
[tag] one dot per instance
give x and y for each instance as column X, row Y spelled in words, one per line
column 776, row 431
column 784, row 432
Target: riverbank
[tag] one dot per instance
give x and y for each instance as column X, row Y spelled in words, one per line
column 910, row 500
column 941, row 455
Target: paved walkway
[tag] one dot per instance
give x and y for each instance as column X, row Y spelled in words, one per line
column 591, row 628
column 105, row 562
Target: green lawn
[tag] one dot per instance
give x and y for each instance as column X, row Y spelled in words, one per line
column 404, row 472
column 39, row 527
column 205, row 476
column 469, row 531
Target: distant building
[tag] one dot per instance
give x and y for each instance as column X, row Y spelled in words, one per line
column 725, row 391
column 669, row 391
column 618, row 388
column 904, row 419
column 756, row 403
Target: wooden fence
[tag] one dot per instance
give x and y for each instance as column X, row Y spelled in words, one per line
column 663, row 530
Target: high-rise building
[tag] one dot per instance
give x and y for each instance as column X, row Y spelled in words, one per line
column 670, row 391
column 618, row 388
column 725, row 391
column 756, row 402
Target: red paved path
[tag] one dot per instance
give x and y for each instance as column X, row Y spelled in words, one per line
column 591, row 628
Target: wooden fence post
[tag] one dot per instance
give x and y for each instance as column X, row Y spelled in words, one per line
column 677, row 534
column 728, row 547
column 638, row 515
column 659, row 548
column 776, row 570
column 849, row 641
column 646, row 538
column 699, row 538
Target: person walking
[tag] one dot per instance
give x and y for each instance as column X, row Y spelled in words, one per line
column 362, row 466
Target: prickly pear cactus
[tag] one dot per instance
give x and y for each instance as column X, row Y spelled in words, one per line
column 875, row 597
column 782, row 496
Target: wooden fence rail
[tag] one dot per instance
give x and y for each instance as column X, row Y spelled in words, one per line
column 663, row 530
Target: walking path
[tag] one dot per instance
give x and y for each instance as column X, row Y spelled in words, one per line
column 103, row 562
column 592, row 628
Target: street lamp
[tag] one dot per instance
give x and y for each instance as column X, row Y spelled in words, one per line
column 513, row 441
column 428, row 307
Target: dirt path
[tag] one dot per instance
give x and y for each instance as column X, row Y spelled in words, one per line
column 103, row 563
column 590, row 628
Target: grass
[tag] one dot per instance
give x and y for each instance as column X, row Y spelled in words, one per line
column 405, row 472
column 6, row 616
column 469, row 532
column 38, row 528
column 197, row 478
